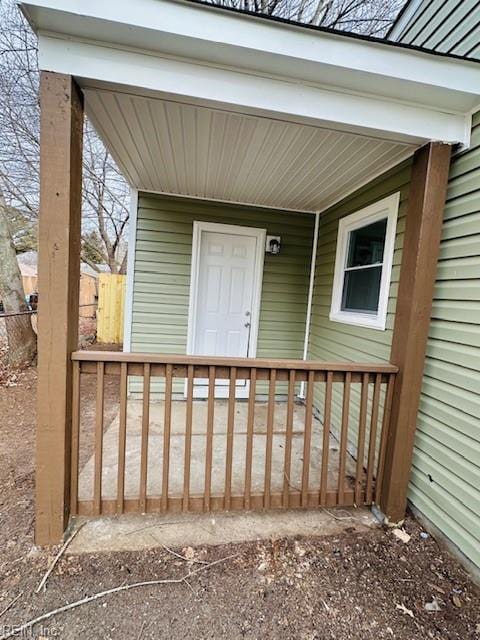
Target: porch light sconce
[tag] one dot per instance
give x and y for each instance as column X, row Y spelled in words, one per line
column 272, row 245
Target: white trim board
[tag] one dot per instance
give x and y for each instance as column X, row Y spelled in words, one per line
column 132, row 242
column 260, row 234
column 96, row 65
column 403, row 20
column 308, row 321
column 206, row 199
column 387, row 207
column 179, row 28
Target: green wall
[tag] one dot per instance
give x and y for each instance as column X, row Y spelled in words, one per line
column 338, row 342
column 162, row 274
column 445, row 479
column 447, row 26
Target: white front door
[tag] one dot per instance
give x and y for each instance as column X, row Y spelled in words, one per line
column 226, row 277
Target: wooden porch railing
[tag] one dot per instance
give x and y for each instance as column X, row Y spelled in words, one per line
column 335, row 458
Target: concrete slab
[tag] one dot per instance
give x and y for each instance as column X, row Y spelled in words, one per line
column 177, row 449
column 136, row 532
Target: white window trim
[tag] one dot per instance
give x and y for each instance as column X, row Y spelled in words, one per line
column 387, row 207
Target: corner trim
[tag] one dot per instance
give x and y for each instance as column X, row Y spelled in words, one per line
column 308, row 322
column 132, row 246
column 402, row 21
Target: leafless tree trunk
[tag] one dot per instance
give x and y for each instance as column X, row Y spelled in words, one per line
column 22, row 340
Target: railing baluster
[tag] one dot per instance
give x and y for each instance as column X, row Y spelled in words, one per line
column 362, row 427
column 75, row 439
column 278, row 490
column 97, row 480
column 144, row 442
column 209, row 436
column 249, row 439
column 327, row 412
column 167, row 424
column 383, row 438
column 342, row 453
column 269, row 442
column 373, row 438
column 122, row 437
column 287, row 470
column 230, row 431
column 307, row 437
column 188, row 439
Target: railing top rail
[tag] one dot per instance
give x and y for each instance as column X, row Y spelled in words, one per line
column 259, row 363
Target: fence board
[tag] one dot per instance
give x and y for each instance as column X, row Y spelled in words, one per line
column 111, row 303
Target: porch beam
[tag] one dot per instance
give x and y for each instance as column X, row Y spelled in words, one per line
column 243, row 91
column 418, row 270
column 61, row 134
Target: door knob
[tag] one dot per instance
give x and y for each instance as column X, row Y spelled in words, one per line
column 247, row 324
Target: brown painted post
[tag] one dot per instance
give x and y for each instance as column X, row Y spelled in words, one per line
column 412, row 320
column 58, row 276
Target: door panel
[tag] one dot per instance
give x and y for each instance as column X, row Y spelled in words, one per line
column 226, row 272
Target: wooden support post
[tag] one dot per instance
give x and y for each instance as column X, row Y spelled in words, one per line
column 61, row 135
column 412, row 320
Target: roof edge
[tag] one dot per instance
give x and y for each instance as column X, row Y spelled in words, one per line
column 387, row 41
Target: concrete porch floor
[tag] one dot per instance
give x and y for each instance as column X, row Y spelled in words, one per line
column 197, row 474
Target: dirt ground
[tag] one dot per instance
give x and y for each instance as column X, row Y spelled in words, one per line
column 357, row 586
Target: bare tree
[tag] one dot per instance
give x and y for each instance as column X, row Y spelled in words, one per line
column 105, row 205
column 105, row 193
column 22, row 341
column 368, row 17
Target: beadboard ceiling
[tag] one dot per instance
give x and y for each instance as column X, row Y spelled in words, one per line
column 178, row 148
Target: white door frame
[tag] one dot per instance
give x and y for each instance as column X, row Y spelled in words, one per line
column 260, row 234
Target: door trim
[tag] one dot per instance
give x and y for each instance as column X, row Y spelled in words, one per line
column 200, row 227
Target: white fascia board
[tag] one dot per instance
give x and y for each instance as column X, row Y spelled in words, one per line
column 180, row 28
column 96, row 65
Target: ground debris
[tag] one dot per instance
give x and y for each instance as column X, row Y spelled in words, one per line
column 405, row 610
column 457, row 601
column 401, row 535
column 344, row 587
column 433, row 606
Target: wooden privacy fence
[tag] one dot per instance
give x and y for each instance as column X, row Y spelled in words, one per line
column 111, row 302
column 206, row 455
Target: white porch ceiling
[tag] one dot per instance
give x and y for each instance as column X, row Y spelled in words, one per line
column 191, row 150
column 199, row 101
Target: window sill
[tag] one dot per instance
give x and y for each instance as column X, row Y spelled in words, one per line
column 359, row 320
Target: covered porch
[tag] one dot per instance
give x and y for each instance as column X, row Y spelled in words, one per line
column 265, row 126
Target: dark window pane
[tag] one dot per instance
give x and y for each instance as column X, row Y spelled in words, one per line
column 361, row 290
column 366, row 244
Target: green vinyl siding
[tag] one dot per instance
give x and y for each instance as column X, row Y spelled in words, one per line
column 336, row 341
column 445, row 480
column 162, row 274
column 446, row 26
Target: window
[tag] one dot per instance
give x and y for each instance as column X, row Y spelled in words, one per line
column 363, row 264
